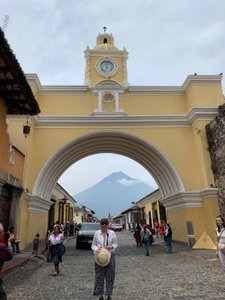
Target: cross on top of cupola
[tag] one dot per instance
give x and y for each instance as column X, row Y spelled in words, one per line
column 105, row 40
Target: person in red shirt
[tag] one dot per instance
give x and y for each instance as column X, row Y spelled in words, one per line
column 156, row 227
column 137, row 235
column 162, row 230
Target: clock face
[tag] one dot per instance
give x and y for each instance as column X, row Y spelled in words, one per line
column 107, row 66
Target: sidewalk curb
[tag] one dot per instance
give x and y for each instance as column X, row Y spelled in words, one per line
column 23, row 260
column 18, row 264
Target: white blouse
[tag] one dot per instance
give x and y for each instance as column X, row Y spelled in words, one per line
column 100, row 242
column 54, row 240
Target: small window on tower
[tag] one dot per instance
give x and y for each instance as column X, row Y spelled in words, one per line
column 108, row 98
column 105, row 41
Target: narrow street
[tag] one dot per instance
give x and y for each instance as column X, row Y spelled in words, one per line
column 160, row 276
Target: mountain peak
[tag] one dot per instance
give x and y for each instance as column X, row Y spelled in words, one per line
column 116, row 177
column 113, row 194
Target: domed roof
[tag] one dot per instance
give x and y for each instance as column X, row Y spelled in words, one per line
column 105, row 41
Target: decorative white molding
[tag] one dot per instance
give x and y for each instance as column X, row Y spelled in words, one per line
column 156, row 90
column 125, row 82
column 88, row 71
column 108, row 74
column 202, row 80
column 168, row 90
column 203, row 113
column 37, row 204
column 55, row 89
column 150, row 90
column 107, row 114
column 143, row 152
column 112, row 52
column 188, row 199
column 108, row 99
column 11, row 154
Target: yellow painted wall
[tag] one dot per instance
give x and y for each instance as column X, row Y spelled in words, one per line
column 37, row 224
column 64, row 104
column 178, row 218
column 204, row 95
column 162, row 138
column 29, row 224
column 96, row 77
column 23, row 223
column 183, row 145
column 148, row 208
column 155, row 104
column 15, row 169
column 211, row 210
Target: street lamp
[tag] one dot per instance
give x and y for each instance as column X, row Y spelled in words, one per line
column 63, row 201
column 26, row 128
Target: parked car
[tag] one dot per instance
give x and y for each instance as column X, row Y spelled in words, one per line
column 85, row 235
column 117, row 227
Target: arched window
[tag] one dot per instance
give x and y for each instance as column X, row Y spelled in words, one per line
column 105, row 41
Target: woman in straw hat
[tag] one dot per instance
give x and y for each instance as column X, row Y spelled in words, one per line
column 104, row 245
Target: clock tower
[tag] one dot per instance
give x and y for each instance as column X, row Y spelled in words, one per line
column 106, row 73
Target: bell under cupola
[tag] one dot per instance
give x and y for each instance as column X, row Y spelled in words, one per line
column 105, row 41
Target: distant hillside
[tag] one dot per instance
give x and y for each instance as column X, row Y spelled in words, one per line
column 113, row 194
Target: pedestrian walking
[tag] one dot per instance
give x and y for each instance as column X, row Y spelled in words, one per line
column 6, row 253
column 137, row 235
column 145, row 238
column 14, row 242
column 156, row 227
column 55, row 247
column 104, row 245
column 168, row 238
column 162, row 230
column 35, row 244
column 220, row 246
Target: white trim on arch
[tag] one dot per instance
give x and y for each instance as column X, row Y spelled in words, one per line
column 151, row 158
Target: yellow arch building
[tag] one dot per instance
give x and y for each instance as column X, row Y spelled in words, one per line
column 160, row 127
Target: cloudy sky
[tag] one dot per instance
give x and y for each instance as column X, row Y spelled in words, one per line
column 166, row 41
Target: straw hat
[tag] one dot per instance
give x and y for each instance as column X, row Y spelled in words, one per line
column 102, row 257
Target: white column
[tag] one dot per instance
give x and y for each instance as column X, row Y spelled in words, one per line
column 117, row 101
column 99, row 101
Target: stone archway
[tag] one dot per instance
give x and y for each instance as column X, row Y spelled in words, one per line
column 147, row 155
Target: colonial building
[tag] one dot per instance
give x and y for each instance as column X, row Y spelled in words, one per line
column 16, row 98
column 160, row 127
column 62, row 208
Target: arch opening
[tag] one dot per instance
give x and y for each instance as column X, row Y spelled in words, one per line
column 147, row 155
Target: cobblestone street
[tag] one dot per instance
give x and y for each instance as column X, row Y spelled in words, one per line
column 185, row 274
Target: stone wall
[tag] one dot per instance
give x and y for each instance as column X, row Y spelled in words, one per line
column 215, row 132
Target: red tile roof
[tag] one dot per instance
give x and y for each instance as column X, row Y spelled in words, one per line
column 14, row 87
